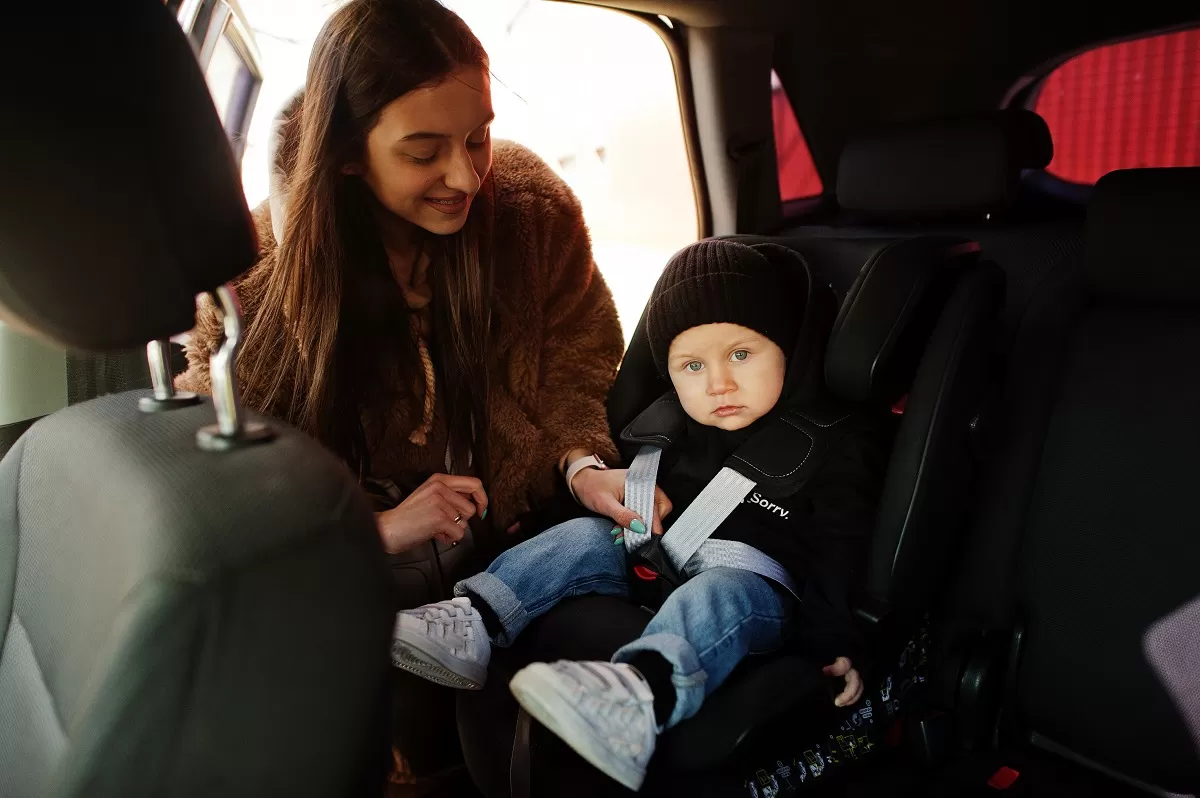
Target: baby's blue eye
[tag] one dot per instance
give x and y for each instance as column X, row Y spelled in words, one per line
column 695, row 365
column 741, row 355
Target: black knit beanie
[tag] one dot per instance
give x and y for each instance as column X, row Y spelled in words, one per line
column 721, row 280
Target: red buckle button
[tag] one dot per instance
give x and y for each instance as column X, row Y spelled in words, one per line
column 644, row 573
column 1003, row 778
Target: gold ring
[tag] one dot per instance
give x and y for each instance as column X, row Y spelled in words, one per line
column 458, row 519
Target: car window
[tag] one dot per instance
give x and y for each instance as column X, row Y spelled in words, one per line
column 798, row 178
column 233, row 81
column 1122, row 106
column 35, row 378
column 226, row 50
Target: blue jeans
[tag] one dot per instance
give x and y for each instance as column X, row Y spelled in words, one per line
column 704, row 628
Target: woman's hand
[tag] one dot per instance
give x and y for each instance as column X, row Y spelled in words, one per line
column 854, row 684
column 603, row 491
column 439, row 509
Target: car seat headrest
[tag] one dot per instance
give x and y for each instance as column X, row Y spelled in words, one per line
column 1140, row 242
column 888, row 315
column 120, row 198
column 932, row 171
column 817, row 306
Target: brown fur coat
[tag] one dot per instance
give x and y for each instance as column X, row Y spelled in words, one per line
column 556, row 338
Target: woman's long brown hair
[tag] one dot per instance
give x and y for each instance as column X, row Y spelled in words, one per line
column 332, row 336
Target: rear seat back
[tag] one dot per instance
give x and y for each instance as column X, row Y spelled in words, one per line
column 960, row 178
column 1095, row 508
column 1083, row 533
column 957, row 177
column 963, row 177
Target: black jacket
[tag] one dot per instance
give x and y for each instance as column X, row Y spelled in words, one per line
column 819, row 533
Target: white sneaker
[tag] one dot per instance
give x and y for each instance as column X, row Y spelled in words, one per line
column 603, row 710
column 445, row 643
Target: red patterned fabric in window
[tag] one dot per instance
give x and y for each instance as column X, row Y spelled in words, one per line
column 1124, row 106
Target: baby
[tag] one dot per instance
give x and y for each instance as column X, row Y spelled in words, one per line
column 721, row 323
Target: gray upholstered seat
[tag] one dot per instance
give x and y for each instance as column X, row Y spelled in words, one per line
column 175, row 619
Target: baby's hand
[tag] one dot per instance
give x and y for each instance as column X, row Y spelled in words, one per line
column 854, row 685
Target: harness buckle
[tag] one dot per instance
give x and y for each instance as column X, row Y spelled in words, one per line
column 644, row 573
column 656, row 578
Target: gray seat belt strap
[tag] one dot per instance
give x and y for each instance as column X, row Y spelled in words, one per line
column 640, row 480
column 719, row 498
column 688, row 543
column 735, row 554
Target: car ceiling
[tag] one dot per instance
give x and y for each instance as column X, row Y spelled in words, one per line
column 848, row 66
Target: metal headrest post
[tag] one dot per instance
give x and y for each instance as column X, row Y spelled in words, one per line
column 231, row 430
column 165, row 397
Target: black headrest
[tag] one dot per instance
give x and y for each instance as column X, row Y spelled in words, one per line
column 1141, row 235
column 888, row 314
column 120, row 199
column 964, row 167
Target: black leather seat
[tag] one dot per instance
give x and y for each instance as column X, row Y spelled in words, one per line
column 174, row 620
column 917, row 320
column 1084, row 558
column 917, row 180
column 961, row 177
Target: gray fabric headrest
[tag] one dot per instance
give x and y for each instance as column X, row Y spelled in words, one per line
column 1141, row 236
column 932, row 171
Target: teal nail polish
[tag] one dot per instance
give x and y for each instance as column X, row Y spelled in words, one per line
column 484, row 514
column 639, row 527
column 618, row 541
column 616, row 530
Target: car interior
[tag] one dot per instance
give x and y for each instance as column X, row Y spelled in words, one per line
column 193, row 597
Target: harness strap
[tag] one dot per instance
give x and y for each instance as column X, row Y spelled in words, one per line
column 688, row 543
column 640, row 481
column 735, row 554
column 696, row 524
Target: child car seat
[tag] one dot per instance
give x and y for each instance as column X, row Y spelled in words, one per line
column 916, row 322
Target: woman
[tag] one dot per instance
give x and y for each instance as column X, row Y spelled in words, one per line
column 425, row 304
column 431, row 305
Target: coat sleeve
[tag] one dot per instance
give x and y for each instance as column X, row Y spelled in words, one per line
column 202, row 343
column 582, row 341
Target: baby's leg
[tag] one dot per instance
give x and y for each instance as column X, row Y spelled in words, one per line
column 449, row 642
column 577, row 557
column 702, row 631
column 610, row 713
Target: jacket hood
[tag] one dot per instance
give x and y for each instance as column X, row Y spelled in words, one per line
column 282, row 146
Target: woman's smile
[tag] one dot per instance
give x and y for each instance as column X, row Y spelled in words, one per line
column 452, row 205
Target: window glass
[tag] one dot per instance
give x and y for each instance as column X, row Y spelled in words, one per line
column 1122, row 106
column 226, row 71
column 593, row 92
column 798, row 178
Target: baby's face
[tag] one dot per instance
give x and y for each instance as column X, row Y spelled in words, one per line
column 726, row 375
